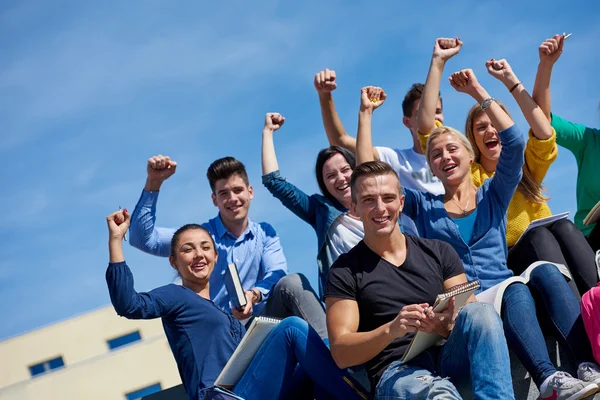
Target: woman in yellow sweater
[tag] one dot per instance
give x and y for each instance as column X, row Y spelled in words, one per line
column 560, row 242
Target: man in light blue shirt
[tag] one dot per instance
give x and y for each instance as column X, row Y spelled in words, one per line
column 253, row 247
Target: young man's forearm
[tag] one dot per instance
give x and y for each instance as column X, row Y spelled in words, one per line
column 426, row 112
column 357, row 348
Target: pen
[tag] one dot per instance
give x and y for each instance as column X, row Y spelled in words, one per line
column 125, row 235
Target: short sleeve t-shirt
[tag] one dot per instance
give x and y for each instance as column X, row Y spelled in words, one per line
column 382, row 289
column 412, row 169
column 343, row 235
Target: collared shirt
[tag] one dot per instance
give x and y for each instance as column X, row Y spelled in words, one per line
column 257, row 253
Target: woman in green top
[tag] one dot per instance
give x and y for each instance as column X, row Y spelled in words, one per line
column 582, row 141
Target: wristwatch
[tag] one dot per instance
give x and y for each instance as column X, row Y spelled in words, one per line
column 256, row 296
column 487, row 103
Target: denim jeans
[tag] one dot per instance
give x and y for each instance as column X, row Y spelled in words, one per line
column 294, row 296
column 473, row 361
column 545, row 302
column 292, row 342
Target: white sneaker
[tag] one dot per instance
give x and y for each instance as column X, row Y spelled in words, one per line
column 589, row 372
column 562, row 386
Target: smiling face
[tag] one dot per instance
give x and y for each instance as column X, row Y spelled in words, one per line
column 232, row 196
column 486, row 138
column 448, row 158
column 194, row 256
column 336, row 177
column 379, row 202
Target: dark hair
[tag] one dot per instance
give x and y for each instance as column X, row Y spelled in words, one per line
column 371, row 168
column 186, row 228
column 225, row 168
column 322, row 158
column 414, row 93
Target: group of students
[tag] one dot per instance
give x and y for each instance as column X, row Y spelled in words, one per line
column 395, row 227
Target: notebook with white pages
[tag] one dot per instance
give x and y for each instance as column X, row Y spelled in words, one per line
column 593, row 216
column 239, row 361
column 423, row 340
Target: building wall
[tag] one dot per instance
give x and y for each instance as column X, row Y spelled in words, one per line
column 91, row 370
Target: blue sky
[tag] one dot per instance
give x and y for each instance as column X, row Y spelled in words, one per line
column 90, row 90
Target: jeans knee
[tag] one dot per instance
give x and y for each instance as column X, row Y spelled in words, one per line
column 545, row 273
column 293, row 323
column 517, row 293
column 293, row 284
column 480, row 317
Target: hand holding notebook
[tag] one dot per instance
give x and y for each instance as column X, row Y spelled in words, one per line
column 456, row 297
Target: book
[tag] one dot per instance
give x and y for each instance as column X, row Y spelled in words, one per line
column 239, row 361
column 542, row 222
column 494, row 294
column 593, row 216
column 233, row 283
column 423, row 340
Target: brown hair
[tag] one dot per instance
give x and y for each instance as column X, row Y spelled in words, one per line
column 225, row 168
column 414, row 93
column 531, row 189
column 371, row 168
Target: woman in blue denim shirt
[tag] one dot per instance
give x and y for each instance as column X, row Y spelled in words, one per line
column 338, row 230
column 203, row 337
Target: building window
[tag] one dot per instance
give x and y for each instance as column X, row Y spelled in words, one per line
column 46, row 366
column 123, row 340
column 138, row 394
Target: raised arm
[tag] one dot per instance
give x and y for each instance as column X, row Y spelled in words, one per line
column 325, row 84
column 126, row 301
column 465, row 81
column 290, row 196
column 144, row 234
column 371, row 98
column 443, row 50
column 273, row 121
column 549, row 53
column 350, row 347
column 534, row 115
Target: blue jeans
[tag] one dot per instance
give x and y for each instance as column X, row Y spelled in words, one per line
column 292, row 342
column 474, row 360
column 545, row 302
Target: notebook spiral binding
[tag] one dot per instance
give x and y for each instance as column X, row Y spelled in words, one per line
column 269, row 319
column 458, row 289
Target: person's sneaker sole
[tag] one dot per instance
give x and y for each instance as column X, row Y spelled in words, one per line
column 585, row 392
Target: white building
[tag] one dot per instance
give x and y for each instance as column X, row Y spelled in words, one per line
column 97, row 355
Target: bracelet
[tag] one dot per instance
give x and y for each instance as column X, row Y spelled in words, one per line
column 487, row 103
column 514, row 87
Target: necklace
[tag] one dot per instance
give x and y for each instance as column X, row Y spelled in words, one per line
column 464, row 210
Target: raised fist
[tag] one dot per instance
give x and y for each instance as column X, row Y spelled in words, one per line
column 464, row 81
column 551, row 49
column 371, row 97
column 160, row 168
column 501, row 70
column 118, row 223
column 325, row 81
column 446, row 48
column 273, row 121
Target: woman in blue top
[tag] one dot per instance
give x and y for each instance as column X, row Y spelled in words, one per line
column 203, row 337
column 473, row 221
column 338, row 230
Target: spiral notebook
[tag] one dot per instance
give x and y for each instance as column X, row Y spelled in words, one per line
column 239, row 361
column 423, row 340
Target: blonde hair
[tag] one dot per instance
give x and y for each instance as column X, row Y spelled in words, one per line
column 446, row 129
column 530, row 188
